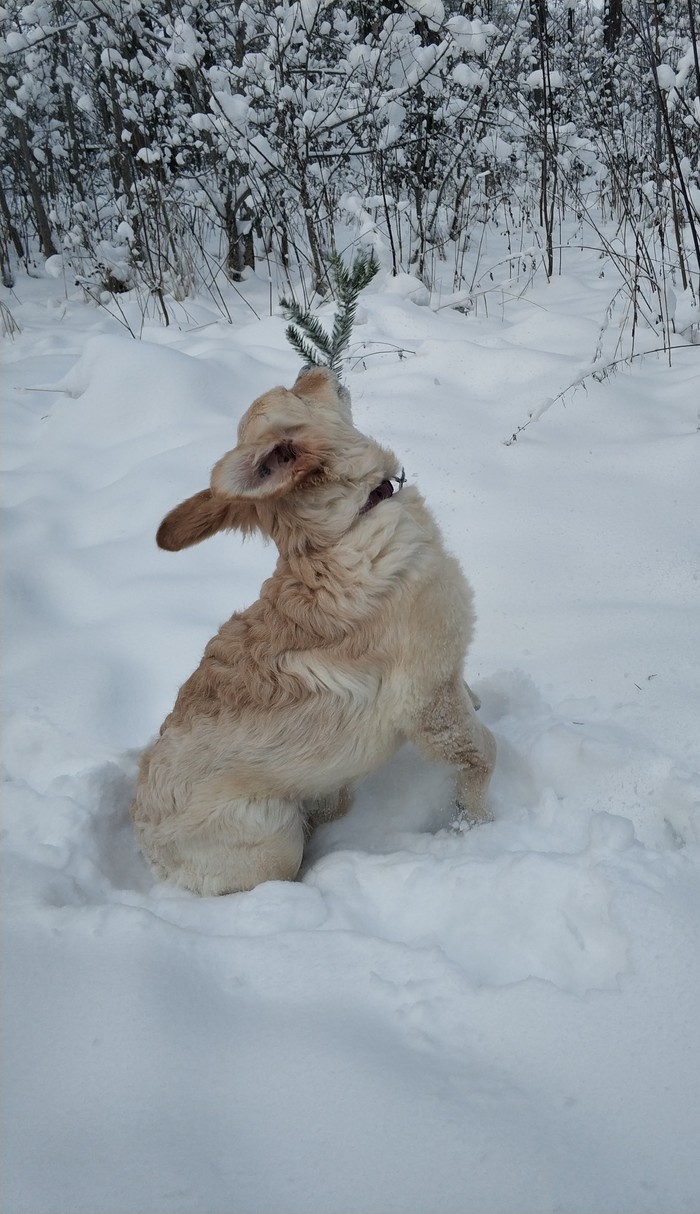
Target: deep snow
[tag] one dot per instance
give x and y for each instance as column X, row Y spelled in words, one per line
column 501, row 1021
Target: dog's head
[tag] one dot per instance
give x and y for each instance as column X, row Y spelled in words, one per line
column 301, row 473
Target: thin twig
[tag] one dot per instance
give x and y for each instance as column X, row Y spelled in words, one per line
column 595, row 372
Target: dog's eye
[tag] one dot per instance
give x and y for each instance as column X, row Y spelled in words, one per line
column 264, row 470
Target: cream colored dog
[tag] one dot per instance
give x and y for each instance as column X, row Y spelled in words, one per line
column 355, row 646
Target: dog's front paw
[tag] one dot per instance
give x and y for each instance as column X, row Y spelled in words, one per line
column 469, row 816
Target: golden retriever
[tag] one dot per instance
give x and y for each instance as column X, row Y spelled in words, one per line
column 355, row 646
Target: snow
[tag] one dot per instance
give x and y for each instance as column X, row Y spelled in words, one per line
column 431, row 1020
column 15, row 41
column 235, row 107
column 665, row 76
column 110, row 58
column 149, row 155
column 535, row 80
column 431, row 11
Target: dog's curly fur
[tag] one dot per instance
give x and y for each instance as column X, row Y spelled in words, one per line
column 355, row 645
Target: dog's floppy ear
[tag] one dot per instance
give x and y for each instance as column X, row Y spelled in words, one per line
column 268, row 469
column 195, row 520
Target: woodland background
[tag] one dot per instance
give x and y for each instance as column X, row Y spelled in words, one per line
column 158, row 147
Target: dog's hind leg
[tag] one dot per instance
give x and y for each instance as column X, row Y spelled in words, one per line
column 229, row 844
column 327, row 808
column 448, row 730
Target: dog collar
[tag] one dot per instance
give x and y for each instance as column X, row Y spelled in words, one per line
column 383, row 491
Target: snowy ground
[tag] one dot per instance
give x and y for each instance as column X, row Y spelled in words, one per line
column 498, row 1022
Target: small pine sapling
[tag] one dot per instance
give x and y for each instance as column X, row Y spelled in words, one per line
column 308, row 336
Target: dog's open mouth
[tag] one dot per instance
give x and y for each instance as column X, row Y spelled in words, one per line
column 383, row 491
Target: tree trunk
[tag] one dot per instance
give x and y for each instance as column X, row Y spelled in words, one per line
column 11, row 229
column 41, row 217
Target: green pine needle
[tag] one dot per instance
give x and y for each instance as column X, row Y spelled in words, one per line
column 308, row 336
column 303, row 348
